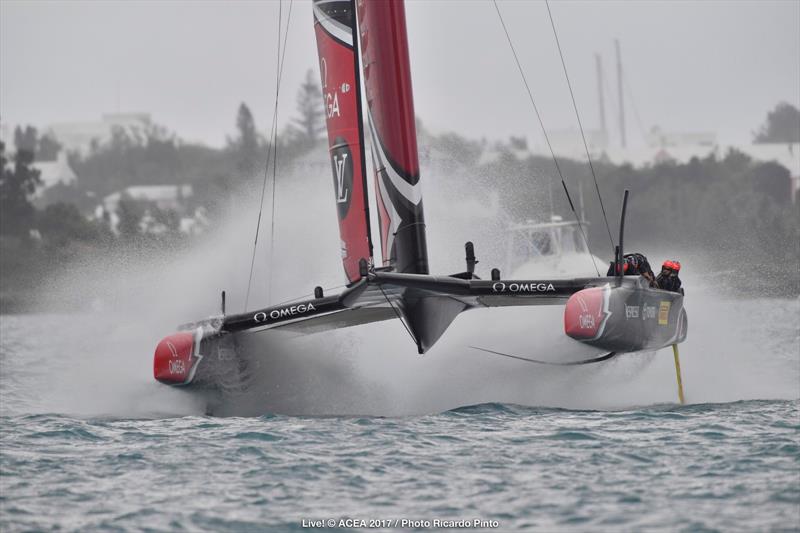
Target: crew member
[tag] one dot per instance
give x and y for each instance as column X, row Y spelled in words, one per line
column 635, row 264
column 668, row 279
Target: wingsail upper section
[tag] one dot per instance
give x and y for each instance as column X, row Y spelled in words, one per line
column 387, row 79
column 337, row 45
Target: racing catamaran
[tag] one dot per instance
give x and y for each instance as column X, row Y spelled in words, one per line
column 598, row 310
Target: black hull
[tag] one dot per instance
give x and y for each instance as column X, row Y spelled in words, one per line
column 626, row 318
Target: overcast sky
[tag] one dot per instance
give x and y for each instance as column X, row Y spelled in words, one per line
column 691, row 66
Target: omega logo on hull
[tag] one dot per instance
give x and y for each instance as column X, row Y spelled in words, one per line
column 522, row 287
column 177, row 367
column 275, row 314
column 586, row 321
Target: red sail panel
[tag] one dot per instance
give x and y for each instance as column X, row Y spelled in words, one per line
column 387, row 79
column 337, row 44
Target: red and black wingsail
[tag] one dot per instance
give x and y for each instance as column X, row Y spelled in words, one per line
column 387, row 80
column 337, row 45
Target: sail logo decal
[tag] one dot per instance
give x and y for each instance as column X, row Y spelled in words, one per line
column 648, row 311
column 522, row 287
column 332, row 104
column 330, row 100
column 341, row 191
column 285, row 312
column 631, row 311
column 342, row 163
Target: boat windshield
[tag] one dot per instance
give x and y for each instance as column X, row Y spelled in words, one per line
column 571, row 240
column 541, row 243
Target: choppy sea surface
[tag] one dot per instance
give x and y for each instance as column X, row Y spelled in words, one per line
column 88, row 442
column 710, row 467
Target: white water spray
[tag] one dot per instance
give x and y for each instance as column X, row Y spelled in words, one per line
column 100, row 363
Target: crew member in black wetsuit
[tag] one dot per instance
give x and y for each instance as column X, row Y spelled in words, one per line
column 635, row 264
column 668, row 279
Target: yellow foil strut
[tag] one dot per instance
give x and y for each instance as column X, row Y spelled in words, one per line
column 678, row 373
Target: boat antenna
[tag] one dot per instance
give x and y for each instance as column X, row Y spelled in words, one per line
column 271, row 147
column 619, row 251
column 580, row 124
column 544, row 132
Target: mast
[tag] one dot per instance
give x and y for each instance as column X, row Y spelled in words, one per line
column 600, row 100
column 619, row 94
column 390, row 102
column 337, row 46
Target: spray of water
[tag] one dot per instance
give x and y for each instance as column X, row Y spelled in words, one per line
column 100, row 362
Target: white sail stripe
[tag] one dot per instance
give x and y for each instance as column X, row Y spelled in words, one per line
column 394, row 216
column 335, row 28
column 412, row 193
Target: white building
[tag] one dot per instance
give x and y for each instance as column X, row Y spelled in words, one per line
column 163, row 196
column 54, row 172
column 79, row 136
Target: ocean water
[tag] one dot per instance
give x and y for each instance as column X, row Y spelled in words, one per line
column 357, row 427
column 89, row 442
column 711, row 467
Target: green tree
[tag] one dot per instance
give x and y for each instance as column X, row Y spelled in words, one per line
column 773, row 180
column 127, row 160
column 168, row 218
column 49, row 148
column 62, row 223
column 310, row 122
column 130, row 213
column 782, row 126
column 26, row 139
column 17, row 186
column 246, row 146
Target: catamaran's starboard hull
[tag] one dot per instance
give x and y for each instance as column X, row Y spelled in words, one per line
column 626, row 318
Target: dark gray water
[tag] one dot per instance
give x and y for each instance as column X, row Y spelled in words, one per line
column 90, row 442
column 730, row 467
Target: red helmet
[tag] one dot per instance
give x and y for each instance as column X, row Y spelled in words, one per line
column 672, row 265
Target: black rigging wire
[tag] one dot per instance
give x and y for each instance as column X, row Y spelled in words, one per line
column 275, row 157
column 399, row 317
column 271, row 147
column 544, row 132
column 580, row 124
column 598, row 359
